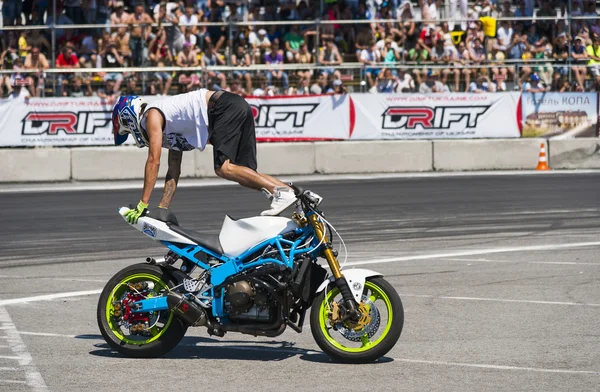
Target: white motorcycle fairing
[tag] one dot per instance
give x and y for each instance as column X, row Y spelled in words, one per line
column 356, row 278
column 237, row 236
column 157, row 230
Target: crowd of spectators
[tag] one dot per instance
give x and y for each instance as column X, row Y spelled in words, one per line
column 419, row 48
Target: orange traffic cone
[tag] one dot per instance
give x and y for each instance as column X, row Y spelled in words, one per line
column 542, row 161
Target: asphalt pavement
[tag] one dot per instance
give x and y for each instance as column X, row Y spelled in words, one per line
column 499, row 276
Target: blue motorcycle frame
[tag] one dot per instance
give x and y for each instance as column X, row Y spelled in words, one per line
column 233, row 266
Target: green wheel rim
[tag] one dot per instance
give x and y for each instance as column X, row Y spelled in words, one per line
column 113, row 297
column 366, row 344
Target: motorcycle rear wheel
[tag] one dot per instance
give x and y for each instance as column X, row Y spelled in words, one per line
column 159, row 338
column 377, row 333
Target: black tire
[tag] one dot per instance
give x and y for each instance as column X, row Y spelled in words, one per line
column 370, row 355
column 165, row 343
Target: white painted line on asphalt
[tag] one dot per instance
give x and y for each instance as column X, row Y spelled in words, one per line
column 524, row 301
column 52, row 278
column 12, row 381
column 57, row 335
column 185, row 183
column 32, row 375
column 522, row 262
column 476, row 252
column 497, row 367
column 49, row 297
column 8, row 369
column 10, row 357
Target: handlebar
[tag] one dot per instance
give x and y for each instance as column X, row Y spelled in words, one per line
column 297, row 190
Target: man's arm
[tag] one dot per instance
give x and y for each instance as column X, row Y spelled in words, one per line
column 172, row 178
column 154, row 128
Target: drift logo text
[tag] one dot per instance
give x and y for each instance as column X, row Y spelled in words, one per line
column 445, row 117
column 282, row 116
column 52, row 123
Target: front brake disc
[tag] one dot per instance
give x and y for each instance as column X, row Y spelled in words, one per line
column 369, row 329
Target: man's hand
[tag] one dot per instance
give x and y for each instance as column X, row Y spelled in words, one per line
column 132, row 216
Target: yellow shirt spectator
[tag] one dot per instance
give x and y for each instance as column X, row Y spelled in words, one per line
column 23, row 50
column 593, row 52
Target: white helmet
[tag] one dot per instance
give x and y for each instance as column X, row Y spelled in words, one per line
column 126, row 119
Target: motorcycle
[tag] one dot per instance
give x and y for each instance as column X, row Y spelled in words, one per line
column 259, row 276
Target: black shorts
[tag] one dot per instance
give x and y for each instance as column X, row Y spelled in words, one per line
column 231, row 131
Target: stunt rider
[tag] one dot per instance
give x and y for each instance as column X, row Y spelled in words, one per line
column 188, row 121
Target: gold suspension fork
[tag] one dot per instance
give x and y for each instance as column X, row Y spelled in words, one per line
column 334, row 265
column 350, row 303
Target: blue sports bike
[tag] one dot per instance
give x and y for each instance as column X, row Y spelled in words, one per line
column 259, row 276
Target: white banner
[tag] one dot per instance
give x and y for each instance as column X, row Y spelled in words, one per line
column 302, row 118
column 55, row 122
column 436, row 116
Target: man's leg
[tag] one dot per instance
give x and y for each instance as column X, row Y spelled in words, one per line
column 247, row 177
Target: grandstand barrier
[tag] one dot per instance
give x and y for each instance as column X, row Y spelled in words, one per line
column 342, row 157
column 373, row 157
column 467, row 155
column 575, row 154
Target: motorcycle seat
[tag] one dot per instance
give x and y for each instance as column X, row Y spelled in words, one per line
column 209, row 241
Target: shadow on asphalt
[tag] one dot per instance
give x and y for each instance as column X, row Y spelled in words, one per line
column 195, row 347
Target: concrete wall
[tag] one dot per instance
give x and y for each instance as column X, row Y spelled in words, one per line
column 512, row 154
column 39, row 164
column 575, row 154
column 124, row 163
column 373, row 156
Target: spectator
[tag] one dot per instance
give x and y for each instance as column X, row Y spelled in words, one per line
column 79, row 88
column 369, row 58
column 330, row 55
column 460, row 62
column 406, row 84
column 304, row 57
column 212, row 58
column 293, row 41
column 302, row 88
column 160, row 56
column 260, row 45
column 241, row 58
column 24, row 48
column 216, row 34
column 131, row 85
column 187, row 58
column 389, row 51
column 496, row 58
column 11, row 12
column 109, row 92
column 516, row 50
column 111, row 59
column 36, row 60
column 119, row 17
column 481, row 85
column 504, row 35
column 138, row 35
column 236, row 88
column 189, row 37
column 189, row 20
column 37, row 39
column 263, row 89
column 386, row 81
column 534, row 85
column 122, row 40
column 73, row 11
column 561, row 54
column 18, row 90
column 275, row 57
column 593, row 52
column 66, row 59
column 432, row 84
column 88, row 53
column 363, row 41
column 320, row 85
column 419, row 55
column 175, row 38
column 542, row 50
column 506, row 12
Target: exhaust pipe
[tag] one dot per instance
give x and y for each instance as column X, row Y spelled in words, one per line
column 186, row 309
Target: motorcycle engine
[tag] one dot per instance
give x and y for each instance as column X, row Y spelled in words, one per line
column 245, row 302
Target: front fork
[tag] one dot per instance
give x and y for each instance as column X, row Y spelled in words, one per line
column 340, row 281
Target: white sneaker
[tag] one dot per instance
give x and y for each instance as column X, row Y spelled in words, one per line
column 283, row 197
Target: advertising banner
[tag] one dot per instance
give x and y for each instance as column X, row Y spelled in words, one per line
column 559, row 115
column 87, row 121
column 55, row 122
column 302, row 118
column 436, row 116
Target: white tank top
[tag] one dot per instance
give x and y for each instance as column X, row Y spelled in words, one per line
column 186, row 120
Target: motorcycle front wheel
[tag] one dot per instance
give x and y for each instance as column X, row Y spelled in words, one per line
column 373, row 336
column 133, row 334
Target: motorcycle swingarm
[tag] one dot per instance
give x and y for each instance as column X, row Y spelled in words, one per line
column 150, row 305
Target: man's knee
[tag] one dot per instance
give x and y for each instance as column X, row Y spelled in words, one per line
column 226, row 170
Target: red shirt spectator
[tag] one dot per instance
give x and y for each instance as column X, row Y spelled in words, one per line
column 67, row 59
